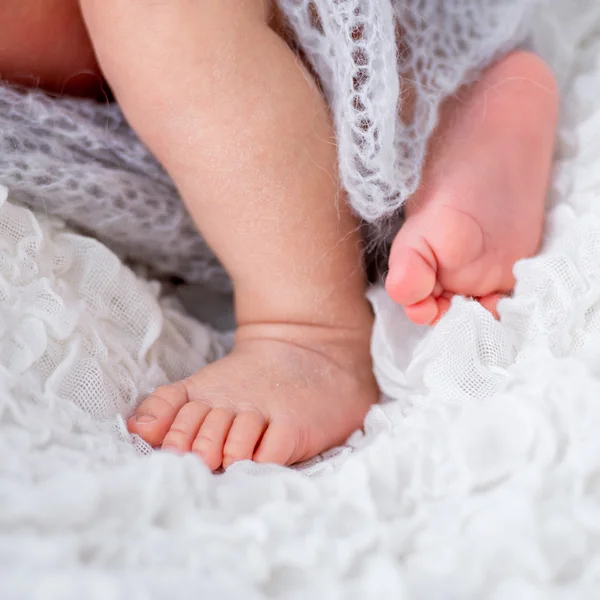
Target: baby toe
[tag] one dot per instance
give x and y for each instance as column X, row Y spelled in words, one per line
column 243, row 437
column 490, row 302
column 280, row 445
column 211, row 437
column 425, row 312
column 443, row 305
column 154, row 416
column 412, row 272
column 185, row 427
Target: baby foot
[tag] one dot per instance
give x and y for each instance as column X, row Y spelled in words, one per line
column 285, row 394
column 481, row 203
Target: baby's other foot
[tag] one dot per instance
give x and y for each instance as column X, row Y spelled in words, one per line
column 481, row 203
column 285, row 394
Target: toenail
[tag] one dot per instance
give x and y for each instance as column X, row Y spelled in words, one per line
column 145, row 418
column 171, row 448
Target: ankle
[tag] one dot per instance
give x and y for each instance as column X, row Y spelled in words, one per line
column 311, row 311
column 345, row 348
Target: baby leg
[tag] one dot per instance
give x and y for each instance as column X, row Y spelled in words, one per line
column 244, row 132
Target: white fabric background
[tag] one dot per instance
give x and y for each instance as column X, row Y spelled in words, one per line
column 478, row 478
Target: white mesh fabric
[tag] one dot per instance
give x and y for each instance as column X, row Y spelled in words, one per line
column 78, row 328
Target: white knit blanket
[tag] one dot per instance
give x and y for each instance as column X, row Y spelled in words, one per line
column 478, row 478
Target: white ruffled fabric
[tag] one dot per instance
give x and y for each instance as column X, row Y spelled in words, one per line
column 476, row 478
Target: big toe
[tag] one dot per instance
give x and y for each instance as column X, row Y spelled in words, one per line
column 412, row 276
column 155, row 415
